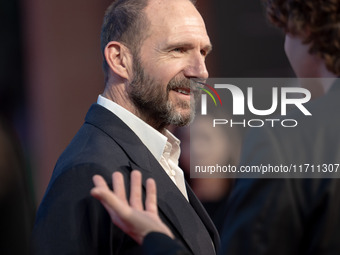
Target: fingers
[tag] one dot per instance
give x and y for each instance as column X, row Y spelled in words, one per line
column 151, row 196
column 102, row 192
column 131, row 218
column 118, row 185
column 99, row 181
column 100, row 186
column 136, row 190
column 117, row 208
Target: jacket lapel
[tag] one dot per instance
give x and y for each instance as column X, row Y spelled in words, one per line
column 183, row 217
column 189, row 221
column 206, row 220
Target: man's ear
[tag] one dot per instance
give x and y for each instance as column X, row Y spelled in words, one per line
column 118, row 58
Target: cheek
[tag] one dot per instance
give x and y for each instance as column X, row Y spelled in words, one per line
column 295, row 55
column 166, row 72
column 221, row 148
column 210, row 148
column 303, row 63
column 291, row 52
column 286, row 47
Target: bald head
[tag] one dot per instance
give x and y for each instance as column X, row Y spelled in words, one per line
column 171, row 14
column 125, row 21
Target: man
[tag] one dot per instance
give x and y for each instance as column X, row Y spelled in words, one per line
column 283, row 216
column 295, row 216
column 151, row 50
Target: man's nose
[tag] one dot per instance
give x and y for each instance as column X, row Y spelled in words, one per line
column 196, row 67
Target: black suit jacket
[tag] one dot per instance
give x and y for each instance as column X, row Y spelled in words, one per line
column 289, row 216
column 70, row 221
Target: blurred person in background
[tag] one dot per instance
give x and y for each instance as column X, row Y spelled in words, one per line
column 17, row 205
column 201, row 147
column 16, row 199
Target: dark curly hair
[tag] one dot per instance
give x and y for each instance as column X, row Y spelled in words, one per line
column 318, row 21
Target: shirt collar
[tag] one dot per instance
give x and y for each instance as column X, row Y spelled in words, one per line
column 156, row 142
column 172, row 148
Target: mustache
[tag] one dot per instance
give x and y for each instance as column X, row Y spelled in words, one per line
column 185, row 83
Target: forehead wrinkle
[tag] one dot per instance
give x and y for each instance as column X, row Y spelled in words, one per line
column 189, row 36
column 167, row 13
column 180, row 28
column 175, row 21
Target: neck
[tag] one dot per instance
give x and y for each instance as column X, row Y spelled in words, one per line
column 118, row 94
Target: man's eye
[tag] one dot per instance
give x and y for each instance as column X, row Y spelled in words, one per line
column 180, row 50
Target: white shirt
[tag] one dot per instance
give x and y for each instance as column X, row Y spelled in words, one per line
column 165, row 148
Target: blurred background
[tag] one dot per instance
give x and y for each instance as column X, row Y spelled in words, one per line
column 50, row 74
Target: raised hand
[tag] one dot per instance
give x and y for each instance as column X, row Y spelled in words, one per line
column 131, row 217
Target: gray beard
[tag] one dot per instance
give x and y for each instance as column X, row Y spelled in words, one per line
column 152, row 102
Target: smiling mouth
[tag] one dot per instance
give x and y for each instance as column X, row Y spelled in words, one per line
column 184, row 91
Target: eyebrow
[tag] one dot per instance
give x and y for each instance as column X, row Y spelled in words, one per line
column 207, row 48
